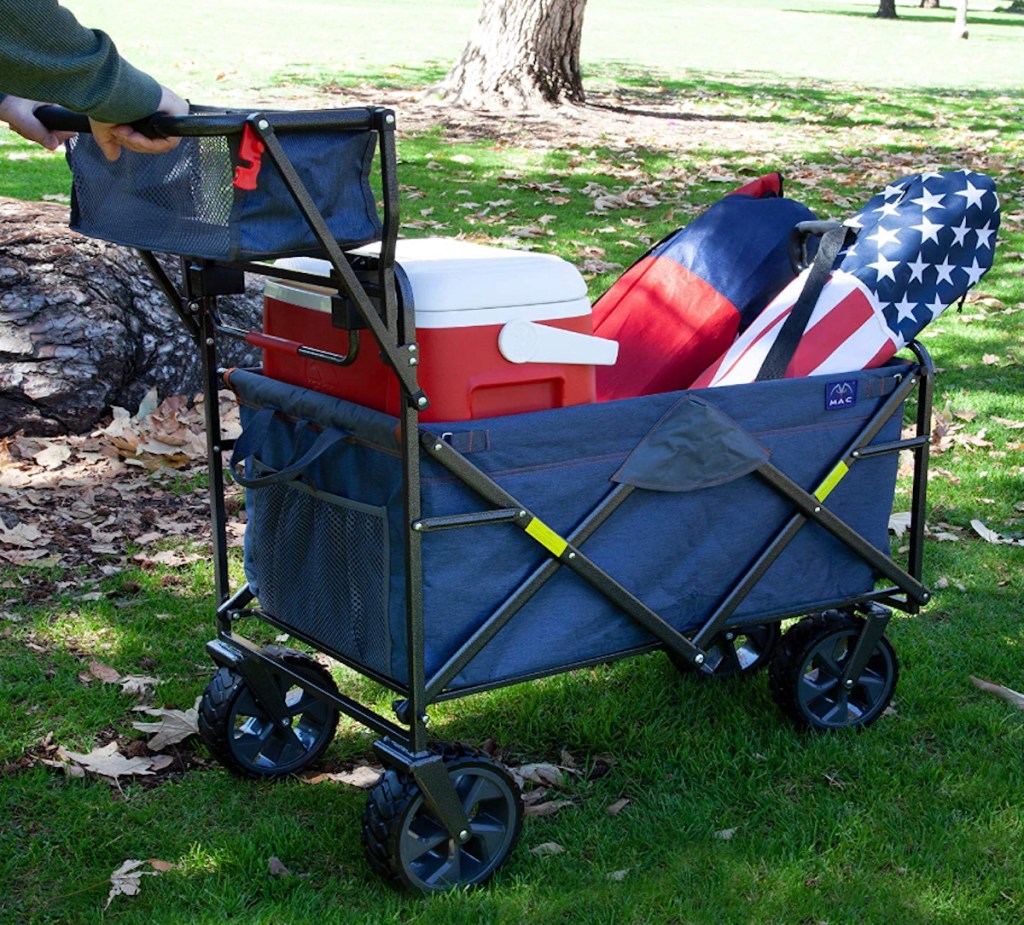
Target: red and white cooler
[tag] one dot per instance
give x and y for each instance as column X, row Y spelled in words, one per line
column 499, row 332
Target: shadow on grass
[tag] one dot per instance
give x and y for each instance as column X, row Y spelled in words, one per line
column 939, row 17
column 758, row 98
column 766, row 98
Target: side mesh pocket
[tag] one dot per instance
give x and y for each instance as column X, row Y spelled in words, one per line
column 321, row 567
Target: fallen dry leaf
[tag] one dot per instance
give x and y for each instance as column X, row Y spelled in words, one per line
column 109, row 762
column 276, row 868
column 899, row 522
column 104, row 673
column 53, row 457
column 161, row 762
column 169, row 557
column 127, row 879
column 547, row 849
column 546, row 808
column 990, row 536
column 363, row 776
column 547, row 775
column 172, row 727
column 617, row 807
column 23, row 535
column 725, row 834
column 138, row 685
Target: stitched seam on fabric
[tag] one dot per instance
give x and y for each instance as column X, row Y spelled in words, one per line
column 574, row 463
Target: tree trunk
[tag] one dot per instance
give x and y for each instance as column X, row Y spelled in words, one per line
column 887, row 9
column 523, row 54
column 930, row 4
column 960, row 23
column 83, row 327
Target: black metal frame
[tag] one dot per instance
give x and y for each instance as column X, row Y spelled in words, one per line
column 392, row 327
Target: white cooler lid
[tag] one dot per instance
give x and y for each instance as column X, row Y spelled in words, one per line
column 461, row 284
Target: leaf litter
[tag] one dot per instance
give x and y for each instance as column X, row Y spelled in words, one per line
column 73, row 500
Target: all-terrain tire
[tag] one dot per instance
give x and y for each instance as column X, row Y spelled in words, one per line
column 410, row 849
column 241, row 735
column 804, row 675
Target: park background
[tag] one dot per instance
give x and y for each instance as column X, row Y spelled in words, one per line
column 732, row 816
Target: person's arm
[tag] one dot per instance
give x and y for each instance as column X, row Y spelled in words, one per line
column 20, row 114
column 46, row 54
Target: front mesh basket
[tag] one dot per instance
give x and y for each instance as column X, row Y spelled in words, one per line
column 184, row 202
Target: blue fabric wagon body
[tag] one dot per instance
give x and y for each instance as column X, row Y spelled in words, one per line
column 325, row 551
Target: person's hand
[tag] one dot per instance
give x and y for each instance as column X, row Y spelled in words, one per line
column 20, row 115
column 112, row 138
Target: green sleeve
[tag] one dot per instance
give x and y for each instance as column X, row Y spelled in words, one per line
column 46, row 55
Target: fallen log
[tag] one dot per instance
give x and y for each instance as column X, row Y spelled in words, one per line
column 83, row 326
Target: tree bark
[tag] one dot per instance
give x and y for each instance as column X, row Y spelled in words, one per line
column 960, row 23
column 522, row 55
column 83, row 327
column 887, row 9
column 930, row 4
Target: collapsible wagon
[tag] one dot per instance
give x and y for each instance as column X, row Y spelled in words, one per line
column 446, row 552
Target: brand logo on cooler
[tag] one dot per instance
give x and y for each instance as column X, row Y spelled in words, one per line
column 842, row 394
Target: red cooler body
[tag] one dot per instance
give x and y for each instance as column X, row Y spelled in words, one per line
column 499, row 332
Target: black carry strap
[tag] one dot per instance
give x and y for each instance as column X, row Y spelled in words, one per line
column 251, row 442
column 781, row 352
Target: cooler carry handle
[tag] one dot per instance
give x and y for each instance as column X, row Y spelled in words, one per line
column 248, row 445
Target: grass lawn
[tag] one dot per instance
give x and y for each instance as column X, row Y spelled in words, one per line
column 733, row 817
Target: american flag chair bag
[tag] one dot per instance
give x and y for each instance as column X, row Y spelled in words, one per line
column 682, row 303
column 910, row 252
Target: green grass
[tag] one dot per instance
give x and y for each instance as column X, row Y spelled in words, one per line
column 226, row 50
column 915, row 821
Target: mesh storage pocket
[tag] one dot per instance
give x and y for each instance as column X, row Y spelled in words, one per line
column 321, row 567
column 185, row 201
column 179, row 202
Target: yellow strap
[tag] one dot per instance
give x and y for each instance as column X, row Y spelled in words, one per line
column 831, row 480
column 547, row 537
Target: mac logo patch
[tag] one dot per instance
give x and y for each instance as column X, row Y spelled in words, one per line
column 842, row 394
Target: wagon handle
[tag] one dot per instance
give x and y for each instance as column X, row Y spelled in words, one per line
column 59, row 119
column 212, row 121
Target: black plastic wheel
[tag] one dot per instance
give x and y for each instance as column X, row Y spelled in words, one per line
column 738, row 652
column 407, row 845
column 804, row 676
column 244, row 737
